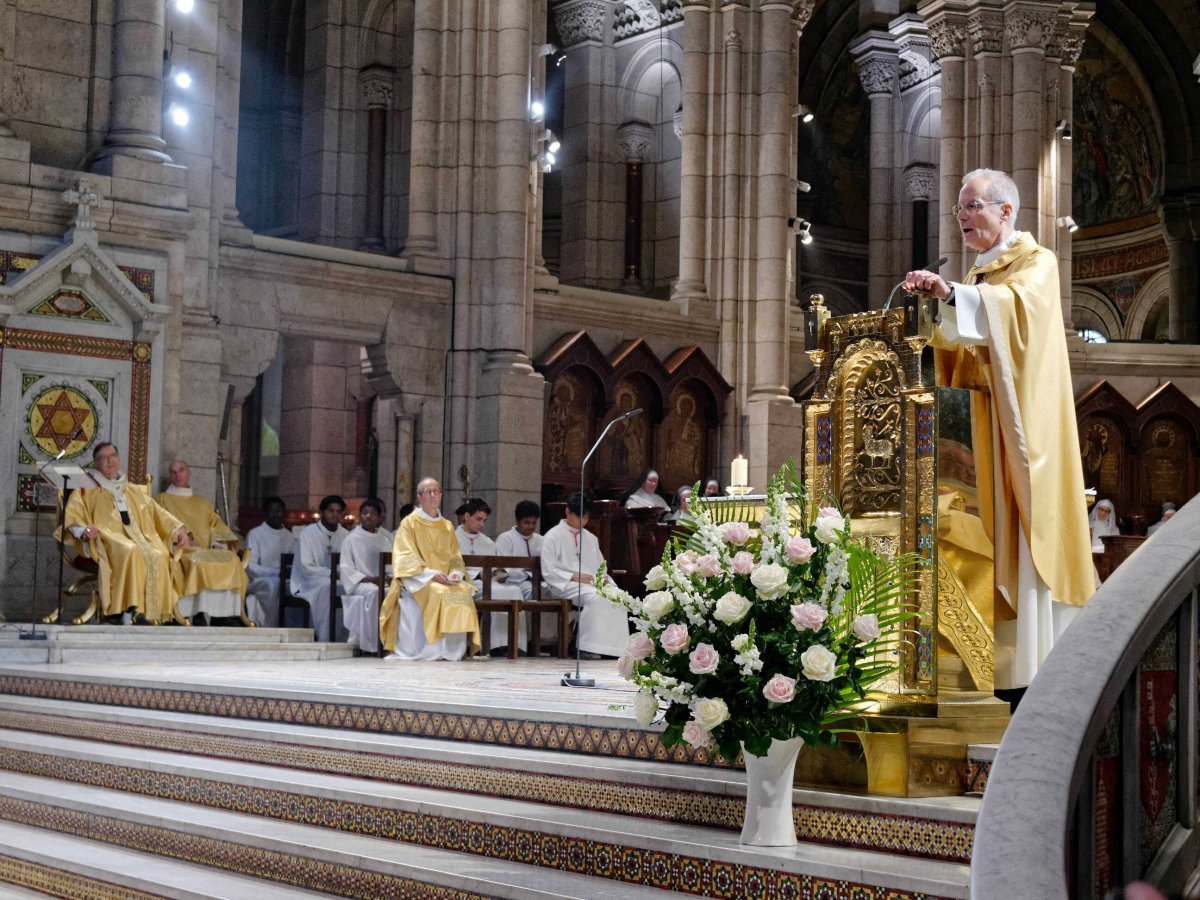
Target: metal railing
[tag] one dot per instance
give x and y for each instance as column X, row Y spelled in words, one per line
column 1094, row 784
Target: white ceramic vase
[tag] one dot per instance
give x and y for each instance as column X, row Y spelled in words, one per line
column 768, row 821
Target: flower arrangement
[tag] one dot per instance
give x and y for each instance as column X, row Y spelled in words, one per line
column 751, row 635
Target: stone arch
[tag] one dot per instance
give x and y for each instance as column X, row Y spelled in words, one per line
column 1148, row 306
column 1091, row 309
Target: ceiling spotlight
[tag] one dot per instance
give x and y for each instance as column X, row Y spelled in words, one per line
column 537, row 110
column 183, row 80
column 185, row 6
column 1068, row 223
column 802, row 187
column 179, row 115
column 548, row 138
column 804, row 113
column 1064, row 129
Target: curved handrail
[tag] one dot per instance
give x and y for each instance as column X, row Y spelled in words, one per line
column 1027, row 839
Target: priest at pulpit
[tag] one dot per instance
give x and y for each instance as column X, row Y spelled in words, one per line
column 1001, row 335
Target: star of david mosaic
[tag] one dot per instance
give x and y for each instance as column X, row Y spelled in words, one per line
column 62, row 419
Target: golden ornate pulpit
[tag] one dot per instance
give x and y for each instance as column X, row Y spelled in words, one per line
column 871, row 446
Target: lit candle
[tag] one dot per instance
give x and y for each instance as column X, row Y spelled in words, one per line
column 739, row 471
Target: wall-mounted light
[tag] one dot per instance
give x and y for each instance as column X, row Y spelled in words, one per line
column 802, row 187
column 185, row 6
column 802, row 228
column 1066, row 222
column 1064, row 129
column 552, row 143
column 183, row 80
column 537, row 110
column 803, row 113
column 547, row 50
column 179, row 115
column 546, row 161
column 560, row 59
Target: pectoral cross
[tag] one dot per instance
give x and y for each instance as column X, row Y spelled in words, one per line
column 84, row 199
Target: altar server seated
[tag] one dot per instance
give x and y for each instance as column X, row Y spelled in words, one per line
column 267, row 543
column 522, row 540
column 570, row 558
column 358, row 568
column 311, row 576
column 473, row 542
column 428, row 612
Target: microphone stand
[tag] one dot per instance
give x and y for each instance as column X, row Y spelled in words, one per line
column 932, row 267
column 579, row 681
column 34, row 634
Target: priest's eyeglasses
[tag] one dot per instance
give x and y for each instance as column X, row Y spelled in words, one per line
column 975, row 206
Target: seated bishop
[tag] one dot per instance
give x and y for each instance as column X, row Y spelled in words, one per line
column 133, row 539
column 428, row 612
column 358, row 569
column 473, row 542
column 214, row 578
column 312, row 572
column 266, row 544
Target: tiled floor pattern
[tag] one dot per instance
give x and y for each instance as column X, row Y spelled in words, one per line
column 905, row 835
column 569, row 854
column 342, row 881
column 57, row 883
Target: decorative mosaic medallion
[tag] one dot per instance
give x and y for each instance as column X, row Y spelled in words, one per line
column 71, row 304
column 62, row 420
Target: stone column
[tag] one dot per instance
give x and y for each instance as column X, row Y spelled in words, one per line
column 693, row 208
column 135, row 102
column 636, row 139
column 1181, row 227
column 947, row 32
column 376, row 84
column 919, row 185
column 986, row 28
column 1070, row 45
column 878, row 65
column 1029, row 28
column 428, row 30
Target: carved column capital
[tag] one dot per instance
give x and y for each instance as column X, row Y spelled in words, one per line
column 920, row 182
column 802, row 11
column 636, row 140
column 986, row 27
column 677, row 123
column 948, row 37
column 376, row 86
column 878, row 75
column 1030, row 28
column 582, row 21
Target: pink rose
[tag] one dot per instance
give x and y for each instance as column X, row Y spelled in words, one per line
column 799, row 549
column 640, row 646
column 708, row 566
column 829, row 511
column 696, row 736
column 674, row 639
column 743, row 562
column 625, row 666
column 685, row 562
column 703, row 659
column 866, row 627
column 737, row 533
column 808, row 616
column 780, row 689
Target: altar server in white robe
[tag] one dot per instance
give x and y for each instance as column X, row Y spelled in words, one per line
column 267, row 543
column 570, row 557
column 473, row 542
column 358, row 563
column 522, row 540
column 310, row 571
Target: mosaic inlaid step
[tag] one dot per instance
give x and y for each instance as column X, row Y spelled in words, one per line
column 605, row 845
column 120, row 650
column 290, row 855
column 937, row 828
column 64, row 865
column 222, row 634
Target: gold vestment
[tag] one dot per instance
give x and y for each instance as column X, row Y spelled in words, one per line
column 205, row 568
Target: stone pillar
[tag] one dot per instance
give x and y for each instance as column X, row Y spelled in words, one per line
column 693, row 207
column 428, row 29
column 1181, row 227
column 919, row 185
column 376, row 84
column 947, row 32
column 135, row 102
column 636, row 139
column 1070, row 43
column 986, row 27
column 1029, row 27
column 878, row 65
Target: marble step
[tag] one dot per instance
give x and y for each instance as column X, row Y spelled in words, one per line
column 221, row 633
column 175, row 645
column 938, row 828
column 40, row 857
column 605, row 844
column 252, row 849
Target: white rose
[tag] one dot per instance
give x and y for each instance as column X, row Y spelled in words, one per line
column 866, row 628
column 829, row 529
column 709, row 712
column 656, row 579
column 770, row 580
column 731, row 608
column 645, row 707
column 818, row 663
column 657, row 605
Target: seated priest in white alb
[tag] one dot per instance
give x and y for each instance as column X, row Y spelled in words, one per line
column 570, row 558
column 358, row 569
column 473, row 542
column 428, row 612
column 214, row 579
column 643, row 493
column 132, row 538
column 267, row 543
column 311, row 572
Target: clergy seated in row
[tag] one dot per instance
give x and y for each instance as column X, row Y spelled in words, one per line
column 215, row 580
column 428, row 612
column 357, row 569
column 267, row 543
column 473, row 542
column 311, row 574
column 643, row 493
column 570, row 558
column 132, row 538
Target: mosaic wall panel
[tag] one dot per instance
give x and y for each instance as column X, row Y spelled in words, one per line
column 1158, row 741
column 58, row 883
column 904, row 835
column 1106, row 826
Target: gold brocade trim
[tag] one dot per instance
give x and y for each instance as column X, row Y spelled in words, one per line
column 963, row 626
column 151, row 601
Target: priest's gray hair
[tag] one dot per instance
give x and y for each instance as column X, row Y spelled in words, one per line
column 1001, row 188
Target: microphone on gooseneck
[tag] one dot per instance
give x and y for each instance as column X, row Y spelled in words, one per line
column 931, row 267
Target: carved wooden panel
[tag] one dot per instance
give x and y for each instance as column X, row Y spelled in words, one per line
column 1103, row 447
column 684, row 438
column 1165, row 463
column 629, row 447
column 570, row 420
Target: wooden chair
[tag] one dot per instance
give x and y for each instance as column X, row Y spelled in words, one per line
column 535, row 605
column 288, row 600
